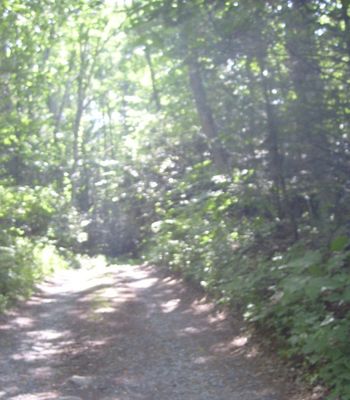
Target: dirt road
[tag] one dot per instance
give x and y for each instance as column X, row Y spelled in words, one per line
column 128, row 333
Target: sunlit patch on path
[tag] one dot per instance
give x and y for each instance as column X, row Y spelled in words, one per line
column 122, row 332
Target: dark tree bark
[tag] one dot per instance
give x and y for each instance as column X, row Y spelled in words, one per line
column 345, row 16
column 276, row 157
column 156, row 95
column 307, row 82
column 205, row 114
column 310, row 111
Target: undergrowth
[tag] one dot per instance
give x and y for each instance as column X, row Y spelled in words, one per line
column 301, row 297
column 26, row 254
column 24, row 264
column 298, row 292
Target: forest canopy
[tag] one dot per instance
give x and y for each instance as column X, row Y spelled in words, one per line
column 207, row 136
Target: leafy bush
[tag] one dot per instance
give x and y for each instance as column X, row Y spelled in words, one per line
column 22, row 265
column 24, row 256
column 299, row 294
column 307, row 307
column 27, row 210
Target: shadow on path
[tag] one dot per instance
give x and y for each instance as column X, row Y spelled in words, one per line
column 127, row 332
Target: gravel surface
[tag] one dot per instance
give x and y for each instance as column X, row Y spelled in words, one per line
column 129, row 333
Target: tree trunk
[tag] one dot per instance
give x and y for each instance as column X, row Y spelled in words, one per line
column 156, row 96
column 205, row 114
column 344, row 11
column 276, row 158
column 307, row 82
column 310, row 109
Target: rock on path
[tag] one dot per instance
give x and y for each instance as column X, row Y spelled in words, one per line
column 128, row 333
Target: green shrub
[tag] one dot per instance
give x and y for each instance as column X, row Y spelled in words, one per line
column 300, row 295
column 22, row 265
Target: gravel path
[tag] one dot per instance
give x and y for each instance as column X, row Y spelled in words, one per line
column 128, row 333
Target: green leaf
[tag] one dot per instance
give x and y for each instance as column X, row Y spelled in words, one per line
column 309, row 259
column 340, row 243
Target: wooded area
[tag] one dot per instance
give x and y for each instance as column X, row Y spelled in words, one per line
column 208, row 136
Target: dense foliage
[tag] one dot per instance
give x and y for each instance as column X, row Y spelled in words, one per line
column 211, row 136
